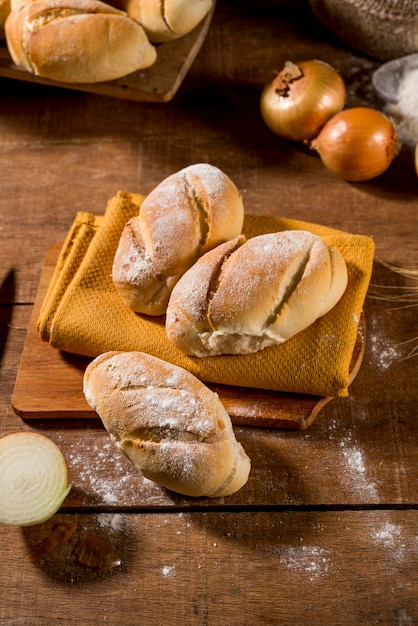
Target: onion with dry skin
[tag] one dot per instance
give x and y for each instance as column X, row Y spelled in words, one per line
column 357, row 144
column 301, row 98
column 33, row 479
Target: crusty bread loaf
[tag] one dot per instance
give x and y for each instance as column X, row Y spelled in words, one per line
column 77, row 41
column 164, row 20
column 187, row 214
column 244, row 296
column 168, row 423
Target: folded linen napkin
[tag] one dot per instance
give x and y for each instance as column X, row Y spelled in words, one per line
column 82, row 313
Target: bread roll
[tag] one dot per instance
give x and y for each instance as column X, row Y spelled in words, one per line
column 186, row 215
column 168, row 424
column 164, row 20
column 245, row 296
column 77, row 41
column 4, row 12
column 15, row 4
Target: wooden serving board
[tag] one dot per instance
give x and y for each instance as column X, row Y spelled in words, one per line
column 158, row 83
column 49, row 382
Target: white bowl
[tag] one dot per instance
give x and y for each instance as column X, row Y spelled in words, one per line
column 387, row 79
column 396, row 82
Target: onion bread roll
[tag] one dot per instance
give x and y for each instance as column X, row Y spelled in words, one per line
column 247, row 295
column 164, row 20
column 187, row 214
column 77, row 41
column 167, row 423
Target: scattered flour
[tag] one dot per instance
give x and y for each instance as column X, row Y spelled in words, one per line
column 91, row 474
column 110, row 521
column 168, row 570
column 383, row 353
column 388, row 532
column 389, row 536
column 311, row 560
column 354, row 460
column 109, row 478
column 355, row 473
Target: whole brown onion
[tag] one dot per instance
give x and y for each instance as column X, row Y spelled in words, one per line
column 301, row 98
column 357, row 144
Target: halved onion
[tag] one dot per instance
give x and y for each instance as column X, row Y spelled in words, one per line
column 33, row 479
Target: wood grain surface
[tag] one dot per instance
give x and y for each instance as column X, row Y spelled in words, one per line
column 210, row 564
column 325, row 530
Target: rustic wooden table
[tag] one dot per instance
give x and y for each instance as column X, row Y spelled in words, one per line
column 325, row 531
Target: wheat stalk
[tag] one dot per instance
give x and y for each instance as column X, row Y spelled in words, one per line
column 405, row 296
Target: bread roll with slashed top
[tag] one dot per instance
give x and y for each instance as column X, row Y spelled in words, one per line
column 168, row 423
column 165, row 20
column 245, row 296
column 187, row 214
column 77, row 41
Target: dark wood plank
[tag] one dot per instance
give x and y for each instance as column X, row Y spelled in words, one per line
column 332, row 568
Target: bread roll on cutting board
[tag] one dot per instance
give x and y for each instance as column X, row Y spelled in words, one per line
column 77, row 41
column 245, row 296
column 168, row 424
column 187, row 214
column 165, row 20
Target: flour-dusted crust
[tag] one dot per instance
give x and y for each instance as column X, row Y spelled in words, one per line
column 77, row 41
column 244, row 296
column 187, row 214
column 168, row 423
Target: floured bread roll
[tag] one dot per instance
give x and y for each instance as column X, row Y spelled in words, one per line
column 247, row 295
column 168, row 424
column 77, row 41
column 187, row 214
column 164, row 20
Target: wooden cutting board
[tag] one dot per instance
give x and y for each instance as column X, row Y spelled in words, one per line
column 158, row 83
column 49, row 382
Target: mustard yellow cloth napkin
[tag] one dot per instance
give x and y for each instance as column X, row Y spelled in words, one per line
column 82, row 313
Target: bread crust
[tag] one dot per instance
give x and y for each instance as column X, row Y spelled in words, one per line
column 167, row 423
column 165, row 20
column 187, row 214
column 77, row 41
column 4, row 12
column 245, row 296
